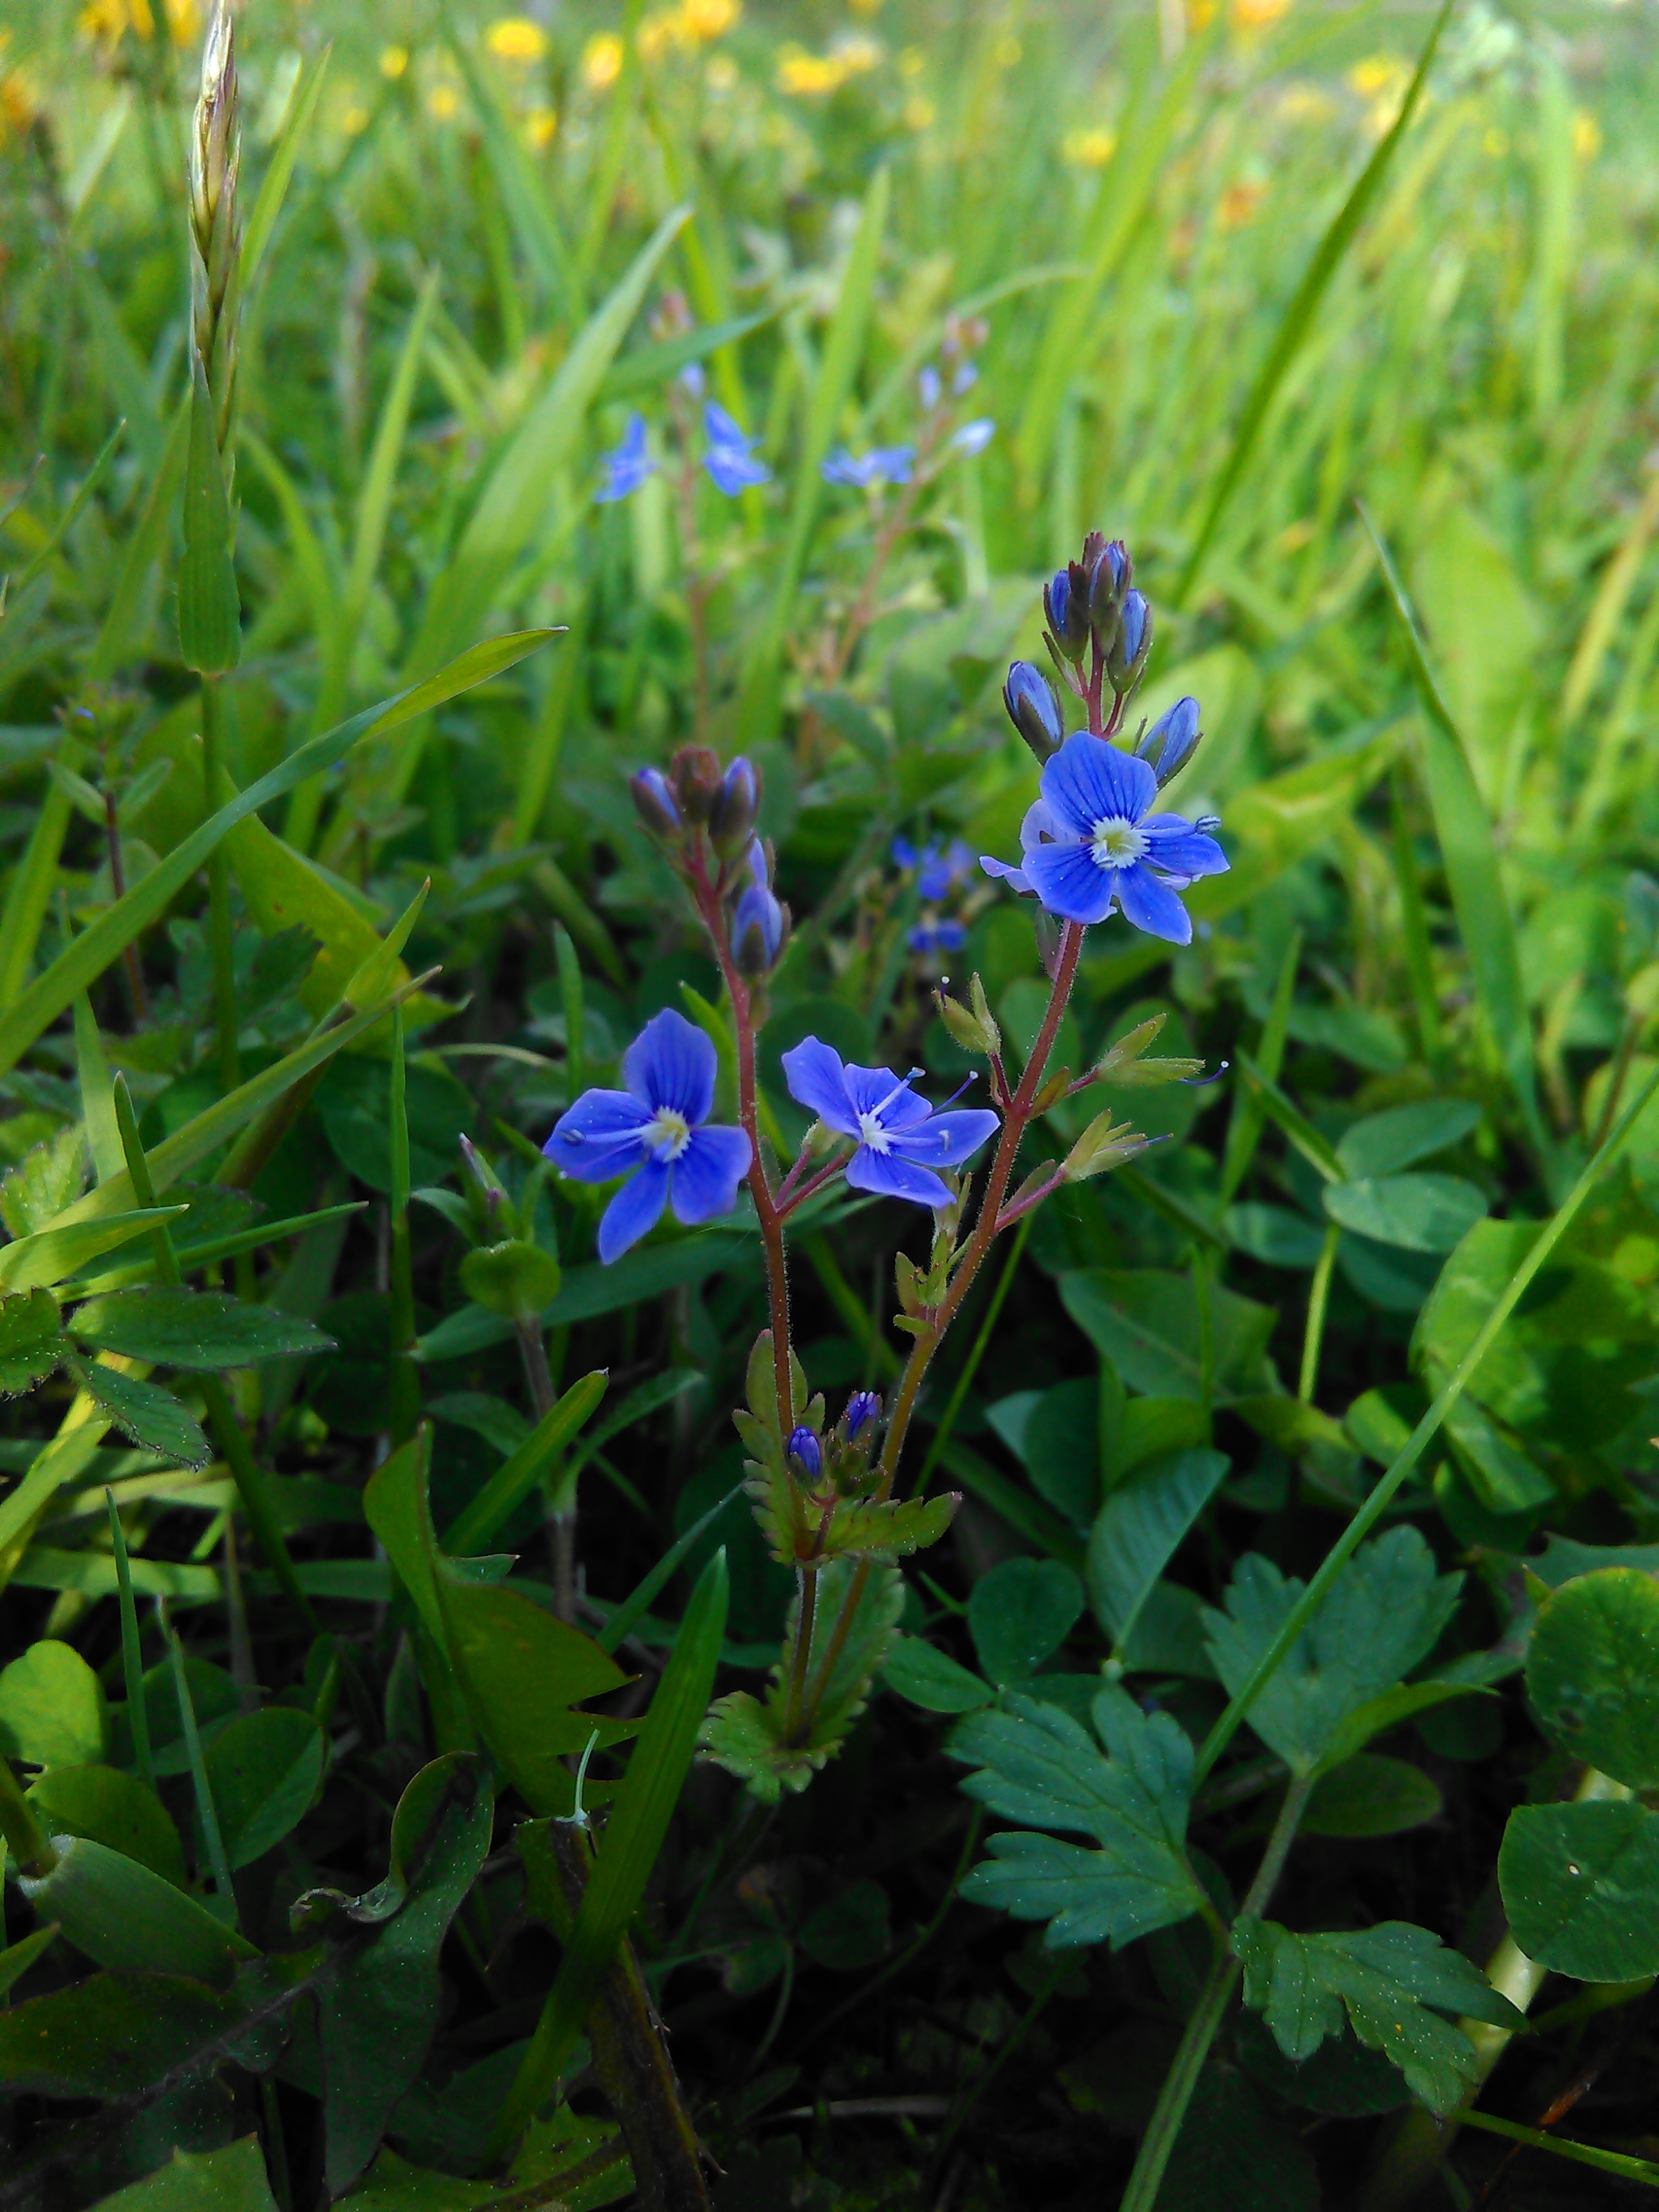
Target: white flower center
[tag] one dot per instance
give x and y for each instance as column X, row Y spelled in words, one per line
column 870, row 1132
column 1116, row 842
column 667, row 1135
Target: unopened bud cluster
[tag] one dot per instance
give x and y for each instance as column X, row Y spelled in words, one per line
column 696, row 810
column 838, row 1464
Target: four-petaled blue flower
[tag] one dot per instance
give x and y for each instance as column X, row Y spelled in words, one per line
column 729, row 459
column 939, row 935
column 882, row 464
column 939, row 872
column 1089, row 844
column 656, row 1133
column 627, row 466
column 900, row 1139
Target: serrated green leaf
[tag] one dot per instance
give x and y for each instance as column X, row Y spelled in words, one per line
column 152, row 1417
column 198, row 1330
column 52, row 1255
column 32, row 1342
column 1387, row 1978
column 1384, row 1613
column 49, row 1177
column 1580, row 1884
column 1038, row 1765
column 865, row 1528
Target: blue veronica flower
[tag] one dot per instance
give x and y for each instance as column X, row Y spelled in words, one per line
column 882, row 464
column 927, row 387
column 1089, row 843
column 729, row 459
column 901, row 1138
column 627, row 466
column 940, row 871
column 938, row 935
column 655, row 1132
column 973, row 437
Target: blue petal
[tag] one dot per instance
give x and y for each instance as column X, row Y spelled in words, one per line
column 672, row 1064
column 1181, row 850
column 723, row 430
column 1069, row 882
column 1089, row 780
column 1015, row 877
column 948, row 1138
column 635, row 1210
column 889, row 1177
column 873, row 1090
column 1039, row 825
column 817, row 1081
column 1152, row 906
column 598, row 1137
column 707, row 1175
column 731, row 472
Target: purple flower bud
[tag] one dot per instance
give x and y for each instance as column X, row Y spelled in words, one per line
column 655, row 802
column 757, row 931
column 695, row 772
column 806, row 1456
column 1133, row 642
column 1067, row 610
column 864, row 1407
column 731, row 818
column 1034, row 708
column 1172, row 740
column 927, row 387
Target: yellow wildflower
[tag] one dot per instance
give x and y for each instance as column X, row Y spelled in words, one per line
column 443, row 103
column 394, row 60
column 1088, row 149
column 18, row 104
column 1007, row 51
column 1586, row 135
column 706, row 19
column 658, row 32
column 541, row 127
column 602, row 61
column 1257, row 15
column 857, row 55
column 516, row 39
column 811, row 76
column 107, row 21
column 912, row 61
column 355, row 121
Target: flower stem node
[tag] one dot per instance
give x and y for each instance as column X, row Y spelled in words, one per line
column 973, row 1027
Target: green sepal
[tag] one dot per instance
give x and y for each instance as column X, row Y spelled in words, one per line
column 210, row 612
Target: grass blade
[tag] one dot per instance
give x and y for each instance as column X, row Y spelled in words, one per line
column 302, row 106
column 638, row 1601
column 132, row 1658
column 515, row 1479
column 66, row 522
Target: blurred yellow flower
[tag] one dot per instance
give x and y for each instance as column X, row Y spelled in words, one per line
column 919, row 114
column 541, row 127
column 1586, row 135
column 1239, row 202
column 706, row 19
column 1257, row 15
column 18, row 104
column 107, row 21
column 602, row 61
column 858, row 54
column 1088, row 149
column 1494, row 141
column 866, row 7
column 815, row 75
column 516, row 39
column 912, row 61
column 1305, row 103
column 443, row 103
column 1007, row 51
column 658, row 32
column 394, row 60
column 1381, row 79
column 355, row 121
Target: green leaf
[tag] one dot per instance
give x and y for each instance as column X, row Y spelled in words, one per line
column 32, row 1343
column 1370, row 1796
column 264, row 1770
column 52, row 1708
column 354, row 1103
column 848, row 1933
column 273, row 189
column 635, row 1280
column 198, row 1330
column 512, row 1481
column 1019, row 1614
column 1037, row 1765
column 628, row 1851
column 1580, row 1884
column 1420, row 1213
column 866, row 1528
column 1275, row 1235
column 1387, row 1710
column 232, row 2179
column 378, row 2005
column 17, row 1957
column 210, row 612
column 930, row 1677
column 414, row 1822
column 51, row 1255
column 1234, row 2154
column 1383, row 1144
column 1138, row 1530
column 152, row 1417
column 1146, row 1321
column 130, row 1919
column 1593, row 1673
column 1384, row 1613
column 1387, row 1978
column 746, row 1735
column 1060, row 1444
column 49, row 1177
column 111, row 1807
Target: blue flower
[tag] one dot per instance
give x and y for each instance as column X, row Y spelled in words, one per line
column 628, row 466
column 973, row 437
column 936, row 935
column 882, row 464
column 900, row 1139
column 807, row 1455
column 728, row 459
column 927, row 387
column 656, row 1133
column 1089, row 843
column 940, row 873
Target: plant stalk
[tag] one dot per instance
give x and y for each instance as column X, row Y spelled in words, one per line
column 220, row 939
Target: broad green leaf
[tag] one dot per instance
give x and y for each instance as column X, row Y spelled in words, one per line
column 355, row 1105
column 514, row 1278
column 114, row 1808
column 1422, row 1212
column 633, row 1838
column 377, row 2006
column 1036, row 1765
column 116, row 2036
column 131, row 1920
column 1146, row 1321
column 1593, row 1673
column 1275, row 1235
column 746, row 1735
column 264, row 1770
column 46, row 1181
column 52, row 1255
column 588, row 1292
column 1392, row 1980
column 1563, row 1558
column 32, row 1342
column 1019, row 1615
column 52, row 1711
column 202, row 1329
column 1138, row 1530
column 1384, row 1613
column 1060, row 1444
column 283, row 890
column 1383, row 1144
column 1370, row 1796
column 930, row 1677
column 1168, row 1636
column 152, row 1417
column 1501, row 1475
column 232, row 2179
column 1234, row 2154
column 1580, row 1884
column 17, row 1957
column 210, row 612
